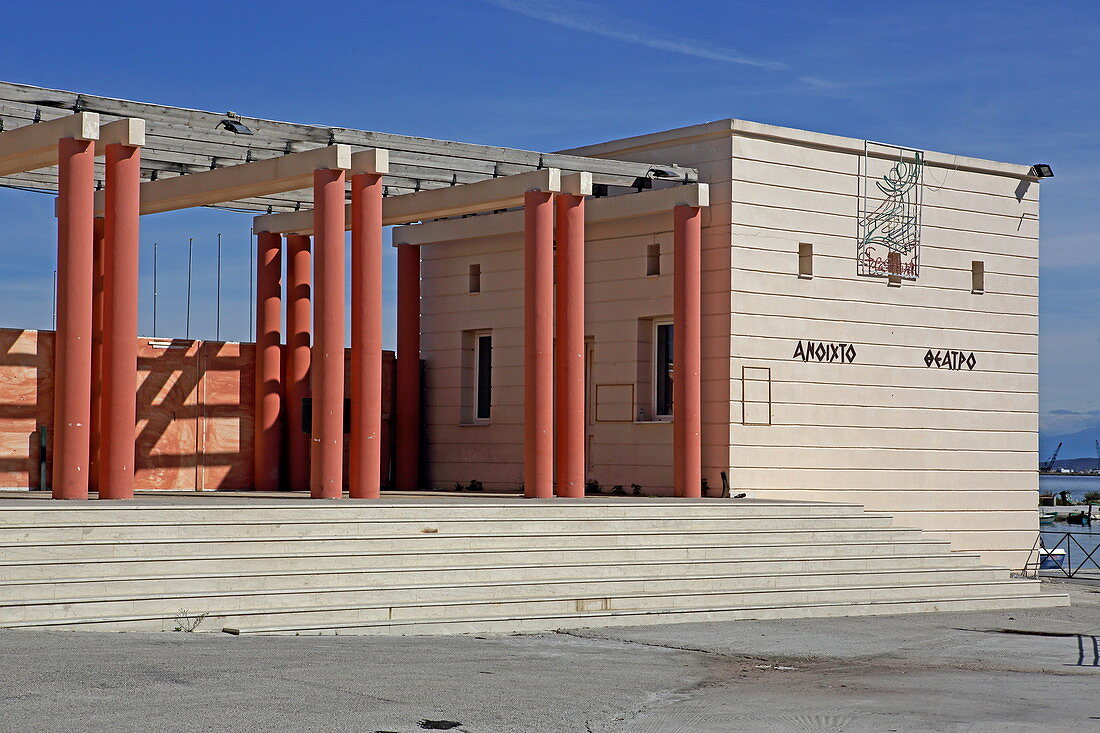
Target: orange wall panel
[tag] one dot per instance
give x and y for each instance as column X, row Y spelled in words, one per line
column 26, row 402
column 194, row 416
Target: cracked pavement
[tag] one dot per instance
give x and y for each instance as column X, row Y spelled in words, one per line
column 1004, row 671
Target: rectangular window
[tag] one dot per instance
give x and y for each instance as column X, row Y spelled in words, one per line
column 977, row 277
column 663, row 366
column 483, row 369
column 652, row 260
column 475, row 278
column 893, row 265
column 805, row 261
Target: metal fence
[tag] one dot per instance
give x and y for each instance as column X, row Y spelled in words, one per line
column 1067, row 557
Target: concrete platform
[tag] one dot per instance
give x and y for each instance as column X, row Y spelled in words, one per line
column 291, row 498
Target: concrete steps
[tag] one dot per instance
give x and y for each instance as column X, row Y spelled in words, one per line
column 479, row 565
column 412, row 544
column 535, row 622
column 120, row 531
column 92, row 585
column 277, row 596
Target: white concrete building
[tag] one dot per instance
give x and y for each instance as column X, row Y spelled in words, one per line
column 869, row 332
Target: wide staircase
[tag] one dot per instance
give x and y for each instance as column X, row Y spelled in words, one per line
column 480, row 565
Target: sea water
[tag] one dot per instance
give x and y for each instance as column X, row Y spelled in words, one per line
column 1077, row 486
column 1089, row 536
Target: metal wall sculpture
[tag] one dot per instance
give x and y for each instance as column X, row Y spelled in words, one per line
column 889, row 219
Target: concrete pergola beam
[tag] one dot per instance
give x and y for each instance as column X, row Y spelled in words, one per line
column 577, row 184
column 469, row 198
column 375, row 161
column 258, row 178
column 599, row 210
column 34, row 146
column 129, row 132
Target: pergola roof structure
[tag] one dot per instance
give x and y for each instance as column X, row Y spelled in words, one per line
column 182, row 141
column 158, row 159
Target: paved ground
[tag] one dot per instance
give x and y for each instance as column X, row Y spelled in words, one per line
column 1004, row 671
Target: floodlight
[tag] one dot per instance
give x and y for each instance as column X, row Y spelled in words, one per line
column 235, row 126
column 1041, row 170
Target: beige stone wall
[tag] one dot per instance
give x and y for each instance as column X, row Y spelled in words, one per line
column 620, row 299
column 949, row 451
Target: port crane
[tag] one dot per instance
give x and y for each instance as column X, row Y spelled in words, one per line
column 1049, row 465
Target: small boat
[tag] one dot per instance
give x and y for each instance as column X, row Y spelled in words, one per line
column 1080, row 519
column 1051, row 559
column 1047, row 517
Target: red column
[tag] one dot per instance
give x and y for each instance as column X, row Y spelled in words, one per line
column 686, row 357
column 298, row 266
column 268, row 369
column 73, row 340
column 120, row 325
column 98, row 284
column 327, row 368
column 538, row 345
column 569, row 351
column 365, row 461
column 407, row 405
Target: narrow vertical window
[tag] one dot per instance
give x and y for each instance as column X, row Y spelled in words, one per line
column 652, row 259
column 893, row 265
column 475, row 278
column 977, row 277
column 663, row 365
column 483, row 368
column 805, row 260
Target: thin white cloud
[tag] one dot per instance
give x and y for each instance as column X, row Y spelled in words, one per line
column 591, row 18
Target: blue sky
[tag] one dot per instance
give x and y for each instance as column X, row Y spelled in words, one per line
column 1014, row 81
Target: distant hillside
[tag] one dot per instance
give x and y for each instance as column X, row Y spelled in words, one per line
column 1074, row 464
column 1074, row 445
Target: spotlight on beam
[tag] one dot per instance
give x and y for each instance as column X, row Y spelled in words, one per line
column 235, row 126
column 1042, row 170
column 662, row 173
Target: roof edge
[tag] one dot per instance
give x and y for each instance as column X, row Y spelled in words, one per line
column 744, row 128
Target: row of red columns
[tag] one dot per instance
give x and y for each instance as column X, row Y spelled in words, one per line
column 317, row 371
column 97, row 278
column 320, row 371
column 554, row 351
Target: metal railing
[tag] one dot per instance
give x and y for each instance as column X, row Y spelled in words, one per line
column 1041, row 552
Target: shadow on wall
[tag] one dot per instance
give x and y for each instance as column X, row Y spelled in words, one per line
column 194, row 411
column 26, row 401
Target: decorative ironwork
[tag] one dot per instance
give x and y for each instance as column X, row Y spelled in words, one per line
column 890, row 215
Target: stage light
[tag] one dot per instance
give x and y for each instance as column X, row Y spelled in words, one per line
column 235, row 126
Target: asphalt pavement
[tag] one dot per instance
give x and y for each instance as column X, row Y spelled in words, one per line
column 998, row 671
